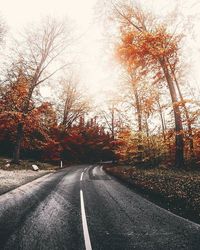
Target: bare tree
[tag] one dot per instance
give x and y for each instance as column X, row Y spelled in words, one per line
column 112, row 115
column 73, row 103
column 109, row 119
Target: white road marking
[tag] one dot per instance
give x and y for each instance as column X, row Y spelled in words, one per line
column 94, row 171
column 81, row 176
column 84, row 223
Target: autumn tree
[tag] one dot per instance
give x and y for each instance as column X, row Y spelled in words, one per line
column 37, row 57
column 147, row 44
column 37, row 126
column 86, row 141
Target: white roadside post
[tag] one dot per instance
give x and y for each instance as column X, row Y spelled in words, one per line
column 61, row 164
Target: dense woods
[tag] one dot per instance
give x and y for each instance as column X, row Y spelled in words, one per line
column 44, row 138
column 34, row 128
column 151, row 121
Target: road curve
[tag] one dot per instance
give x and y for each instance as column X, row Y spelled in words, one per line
column 81, row 207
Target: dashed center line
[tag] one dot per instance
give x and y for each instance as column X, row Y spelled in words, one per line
column 81, row 176
column 84, row 220
column 84, row 223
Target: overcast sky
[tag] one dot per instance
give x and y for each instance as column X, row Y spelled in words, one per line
column 94, row 73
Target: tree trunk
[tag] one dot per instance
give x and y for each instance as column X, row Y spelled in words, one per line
column 162, row 119
column 191, row 143
column 20, row 128
column 65, row 113
column 139, row 115
column 146, row 125
column 179, row 152
column 16, row 154
column 113, row 122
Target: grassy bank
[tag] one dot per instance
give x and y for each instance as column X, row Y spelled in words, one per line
column 177, row 191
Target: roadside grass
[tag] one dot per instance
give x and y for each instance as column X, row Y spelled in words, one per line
column 175, row 190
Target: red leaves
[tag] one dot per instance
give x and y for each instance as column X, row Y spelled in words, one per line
column 15, row 96
column 86, row 142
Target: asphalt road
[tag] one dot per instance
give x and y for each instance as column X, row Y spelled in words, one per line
column 81, row 207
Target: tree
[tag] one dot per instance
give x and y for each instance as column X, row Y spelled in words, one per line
column 147, row 44
column 73, row 103
column 111, row 116
column 37, row 59
column 174, row 69
column 37, row 127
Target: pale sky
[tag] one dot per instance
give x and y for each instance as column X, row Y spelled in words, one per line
column 95, row 73
column 19, row 12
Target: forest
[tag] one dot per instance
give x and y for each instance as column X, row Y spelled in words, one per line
column 150, row 119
